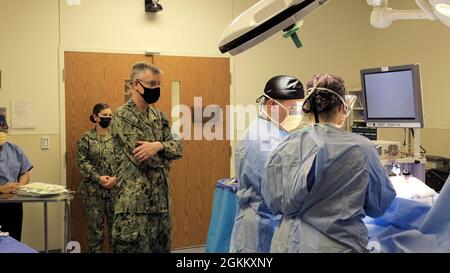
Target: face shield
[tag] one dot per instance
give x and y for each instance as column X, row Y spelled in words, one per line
column 294, row 121
column 294, row 115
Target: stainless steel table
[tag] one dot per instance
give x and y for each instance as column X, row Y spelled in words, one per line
column 65, row 198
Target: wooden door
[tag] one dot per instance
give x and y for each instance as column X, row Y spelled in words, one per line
column 193, row 178
column 90, row 78
column 100, row 77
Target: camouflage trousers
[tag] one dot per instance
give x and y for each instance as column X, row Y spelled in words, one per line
column 98, row 209
column 142, row 233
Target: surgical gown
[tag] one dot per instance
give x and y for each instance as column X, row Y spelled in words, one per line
column 413, row 227
column 324, row 181
column 254, row 223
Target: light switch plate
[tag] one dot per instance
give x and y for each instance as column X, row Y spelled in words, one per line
column 45, row 143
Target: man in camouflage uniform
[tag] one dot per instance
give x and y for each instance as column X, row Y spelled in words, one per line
column 144, row 148
column 94, row 157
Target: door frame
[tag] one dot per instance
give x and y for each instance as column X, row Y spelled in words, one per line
column 62, row 98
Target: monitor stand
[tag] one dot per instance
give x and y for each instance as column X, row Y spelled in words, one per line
column 416, row 163
column 416, row 146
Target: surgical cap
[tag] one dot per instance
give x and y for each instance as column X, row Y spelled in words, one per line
column 323, row 100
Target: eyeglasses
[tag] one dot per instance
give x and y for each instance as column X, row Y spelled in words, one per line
column 150, row 84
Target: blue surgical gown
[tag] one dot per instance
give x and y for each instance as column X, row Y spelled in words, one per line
column 415, row 227
column 324, row 181
column 254, row 223
column 13, row 163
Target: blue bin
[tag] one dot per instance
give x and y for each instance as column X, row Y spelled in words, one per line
column 222, row 217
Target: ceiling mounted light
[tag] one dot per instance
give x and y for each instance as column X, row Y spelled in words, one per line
column 441, row 6
column 264, row 19
column 383, row 16
column 443, row 9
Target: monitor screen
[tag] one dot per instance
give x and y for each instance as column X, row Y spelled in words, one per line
column 390, row 95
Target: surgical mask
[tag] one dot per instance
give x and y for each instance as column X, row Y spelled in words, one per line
column 3, row 138
column 105, row 122
column 293, row 120
column 151, row 95
column 348, row 101
column 292, row 123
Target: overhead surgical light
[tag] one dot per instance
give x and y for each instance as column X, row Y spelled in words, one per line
column 441, row 6
column 268, row 17
column 443, row 9
column 263, row 20
column 382, row 16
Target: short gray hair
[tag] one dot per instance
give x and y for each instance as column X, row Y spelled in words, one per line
column 141, row 67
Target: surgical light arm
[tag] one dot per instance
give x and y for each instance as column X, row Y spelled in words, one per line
column 382, row 16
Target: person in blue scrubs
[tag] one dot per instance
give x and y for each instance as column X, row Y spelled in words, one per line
column 14, row 172
column 324, row 180
column 254, row 223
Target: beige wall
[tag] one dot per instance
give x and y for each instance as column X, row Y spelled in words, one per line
column 337, row 39
column 427, row 43
column 28, row 54
column 29, row 64
column 188, row 26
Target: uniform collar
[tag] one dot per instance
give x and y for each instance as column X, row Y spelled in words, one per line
column 150, row 114
column 93, row 134
column 5, row 146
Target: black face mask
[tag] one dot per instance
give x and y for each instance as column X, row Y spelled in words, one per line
column 151, row 95
column 104, row 122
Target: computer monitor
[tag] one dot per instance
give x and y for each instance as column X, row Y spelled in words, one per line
column 392, row 97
